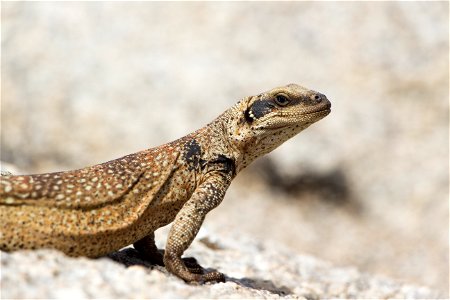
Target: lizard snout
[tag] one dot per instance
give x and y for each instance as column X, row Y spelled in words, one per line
column 318, row 97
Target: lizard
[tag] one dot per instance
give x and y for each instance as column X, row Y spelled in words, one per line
column 102, row 208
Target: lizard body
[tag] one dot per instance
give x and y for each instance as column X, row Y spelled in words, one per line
column 102, row 208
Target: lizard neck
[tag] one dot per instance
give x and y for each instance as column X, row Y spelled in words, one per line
column 237, row 138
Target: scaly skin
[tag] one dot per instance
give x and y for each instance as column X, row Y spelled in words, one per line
column 102, row 208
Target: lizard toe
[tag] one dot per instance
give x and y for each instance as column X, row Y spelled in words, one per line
column 213, row 276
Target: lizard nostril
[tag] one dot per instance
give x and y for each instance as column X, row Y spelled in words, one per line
column 318, row 97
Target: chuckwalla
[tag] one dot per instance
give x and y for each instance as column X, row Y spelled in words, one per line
column 99, row 209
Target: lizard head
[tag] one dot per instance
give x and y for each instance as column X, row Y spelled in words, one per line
column 261, row 123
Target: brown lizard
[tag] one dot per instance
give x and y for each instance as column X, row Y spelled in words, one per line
column 99, row 209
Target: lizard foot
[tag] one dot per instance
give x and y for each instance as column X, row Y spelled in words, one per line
column 191, row 271
column 194, row 278
column 156, row 258
column 213, row 276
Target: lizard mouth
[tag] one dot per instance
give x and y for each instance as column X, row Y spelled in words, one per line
column 319, row 113
column 316, row 113
column 322, row 109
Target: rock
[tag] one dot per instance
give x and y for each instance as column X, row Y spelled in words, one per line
column 80, row 87
column 9, row 169
column 253, row 270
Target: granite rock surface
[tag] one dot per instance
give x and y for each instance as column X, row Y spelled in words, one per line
column 253, row 270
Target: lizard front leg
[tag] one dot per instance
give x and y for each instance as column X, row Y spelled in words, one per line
column 187, row 224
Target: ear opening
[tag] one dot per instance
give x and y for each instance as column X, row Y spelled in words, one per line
column 248, row 115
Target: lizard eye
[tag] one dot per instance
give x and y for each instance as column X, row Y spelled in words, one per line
column 282, row 100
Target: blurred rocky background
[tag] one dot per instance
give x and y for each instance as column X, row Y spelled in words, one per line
column 86, row 82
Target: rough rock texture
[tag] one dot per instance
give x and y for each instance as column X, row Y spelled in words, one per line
column 85, row 82
column 253, row 270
